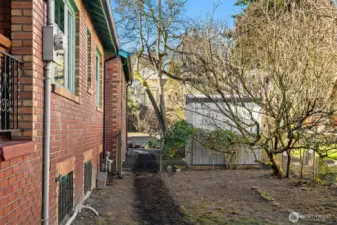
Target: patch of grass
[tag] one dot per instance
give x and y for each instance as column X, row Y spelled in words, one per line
column 101, row 221
column 250, row 221
column 202, row 213
column 263, row 194
column 210, row 218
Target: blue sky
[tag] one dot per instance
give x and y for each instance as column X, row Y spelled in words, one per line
column 197, row 9
column 225, row 11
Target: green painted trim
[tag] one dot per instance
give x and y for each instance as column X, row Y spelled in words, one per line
column 98, row 79
column 87, row 58
column 126, row 63
column 98, row 52
column 72, row 5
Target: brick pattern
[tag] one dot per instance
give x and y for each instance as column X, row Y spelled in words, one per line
column 76, row 127
column 115, row 106
column 76, row 124
column 21, row 176
column 20, row 191
column 22, row 47
column 65, row 93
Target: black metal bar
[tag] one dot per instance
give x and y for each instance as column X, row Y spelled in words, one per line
column 87, row 176
column 11, row 56
column 17, row 92
column 9, row 92
column 11, row 130
column 5, row 99
column 65, row 198
column 1, row 69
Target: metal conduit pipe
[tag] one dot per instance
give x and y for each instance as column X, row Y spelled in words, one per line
column 46, row 125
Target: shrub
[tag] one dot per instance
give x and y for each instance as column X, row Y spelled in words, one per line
column 175, row 140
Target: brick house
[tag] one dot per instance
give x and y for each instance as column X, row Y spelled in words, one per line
column 84, row 84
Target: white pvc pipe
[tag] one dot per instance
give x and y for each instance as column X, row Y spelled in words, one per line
column 73, row 217
column 91, row 208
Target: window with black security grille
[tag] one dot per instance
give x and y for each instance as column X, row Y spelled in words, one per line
column 65, row 203
column 87, row 176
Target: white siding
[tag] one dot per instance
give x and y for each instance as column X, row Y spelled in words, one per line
column 207, row 116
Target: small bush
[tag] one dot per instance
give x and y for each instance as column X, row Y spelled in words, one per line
column 175, row 140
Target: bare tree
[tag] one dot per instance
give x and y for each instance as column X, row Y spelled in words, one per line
column 153, row 28
column 281, row 56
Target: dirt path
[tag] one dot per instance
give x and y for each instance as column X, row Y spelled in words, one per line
column 154, row 204
column 139, row 198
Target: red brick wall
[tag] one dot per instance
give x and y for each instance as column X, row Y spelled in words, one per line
column 76, row 124
column 21, row 177
column 5, row 18
column 115, row 106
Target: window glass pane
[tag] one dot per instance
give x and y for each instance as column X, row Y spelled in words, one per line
column 98, row 92
column 59, row 14
column 73, row 36
column 70, row 49
column 88, row 57
column 59, row 76
column 59, row 68
column 65, row 65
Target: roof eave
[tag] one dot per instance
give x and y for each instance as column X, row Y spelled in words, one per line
column 127, row 65
column 102, row 19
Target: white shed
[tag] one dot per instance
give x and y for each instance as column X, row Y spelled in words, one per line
column 203, row 113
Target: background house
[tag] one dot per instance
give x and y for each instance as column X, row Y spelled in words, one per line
column 173, row 93
column 79, row 133
column 203, row 113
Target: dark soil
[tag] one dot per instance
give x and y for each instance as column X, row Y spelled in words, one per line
column 154, row 204
column 148, row 202
column 145, row 163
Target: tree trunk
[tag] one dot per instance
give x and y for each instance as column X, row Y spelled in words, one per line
column 275, row 166
column 157, row 110
column 302, row 163
column 288, row 164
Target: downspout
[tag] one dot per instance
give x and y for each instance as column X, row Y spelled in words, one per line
column 104, row 114
column 46, row 128
column 127, row 115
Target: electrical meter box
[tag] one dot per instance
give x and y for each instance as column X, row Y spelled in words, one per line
column 52, row 43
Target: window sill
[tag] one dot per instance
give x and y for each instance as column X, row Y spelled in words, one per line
column 89, row 90
column 98, row 109
column 65, row 93
column 14, row 149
